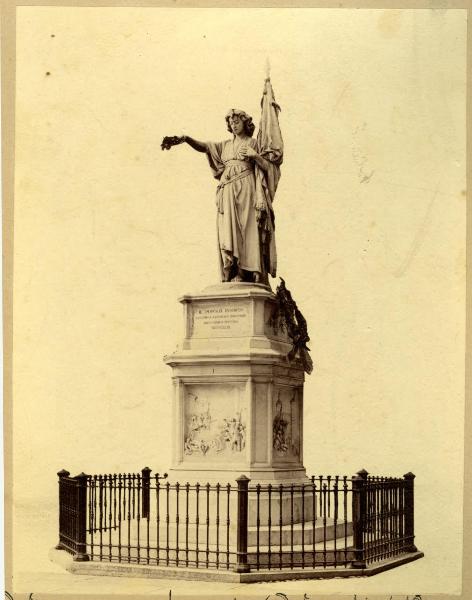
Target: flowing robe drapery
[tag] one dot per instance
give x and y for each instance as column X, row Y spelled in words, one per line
column 237, row 227
column 245, row 218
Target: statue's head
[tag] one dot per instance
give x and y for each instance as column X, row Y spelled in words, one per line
column 235, row 116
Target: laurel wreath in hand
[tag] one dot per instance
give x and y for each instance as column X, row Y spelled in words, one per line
column 170, row 141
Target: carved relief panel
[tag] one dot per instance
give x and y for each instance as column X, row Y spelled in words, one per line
column 215, row 422
column 286, row 425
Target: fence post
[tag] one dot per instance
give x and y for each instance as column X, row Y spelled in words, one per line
column 63, row 473
column 81, row 523
column 146, row 486
column 242, row 565
column 359, row 506
column 410, row 513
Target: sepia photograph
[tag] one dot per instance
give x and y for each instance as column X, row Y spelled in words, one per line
column 235, row 282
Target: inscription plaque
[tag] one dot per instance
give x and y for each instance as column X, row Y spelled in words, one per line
column 220, row 319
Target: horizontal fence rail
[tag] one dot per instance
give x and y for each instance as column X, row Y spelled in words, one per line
column 330, row 522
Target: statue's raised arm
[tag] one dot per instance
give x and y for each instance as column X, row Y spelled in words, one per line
column 175, row 140
column 248, row 172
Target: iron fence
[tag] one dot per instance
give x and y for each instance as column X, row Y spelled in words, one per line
column 332, row 521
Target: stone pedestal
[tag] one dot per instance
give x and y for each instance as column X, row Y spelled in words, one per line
column 238, row 402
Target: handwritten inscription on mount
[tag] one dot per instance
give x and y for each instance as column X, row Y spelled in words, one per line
column 220, row 320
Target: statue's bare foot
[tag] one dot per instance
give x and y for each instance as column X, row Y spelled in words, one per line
column 226, row 275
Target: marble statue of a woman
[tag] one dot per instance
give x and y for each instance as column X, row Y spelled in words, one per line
column 248, row 174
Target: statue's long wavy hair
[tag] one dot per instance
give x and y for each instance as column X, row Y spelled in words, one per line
column 249, row 126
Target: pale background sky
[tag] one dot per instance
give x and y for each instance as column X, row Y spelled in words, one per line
column 370, row 217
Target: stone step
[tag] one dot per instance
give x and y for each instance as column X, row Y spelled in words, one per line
column 299, row 532
column 290, row 506
column 322, row 554
column 285, row 535
column 329, row 545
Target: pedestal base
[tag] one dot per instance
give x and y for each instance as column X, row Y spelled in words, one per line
column 238, row 401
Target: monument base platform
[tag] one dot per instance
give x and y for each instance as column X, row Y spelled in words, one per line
column 63, row 559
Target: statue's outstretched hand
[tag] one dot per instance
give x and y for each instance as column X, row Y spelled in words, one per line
column 172, row 140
